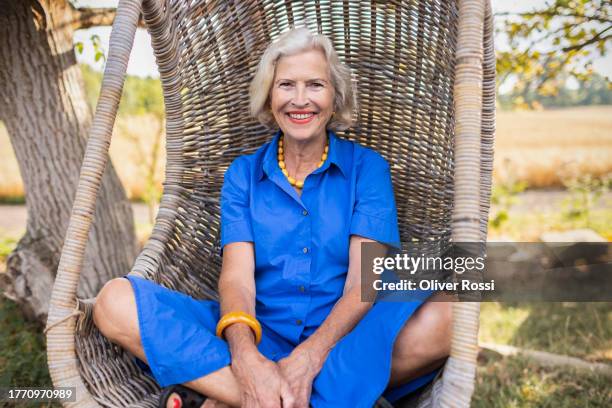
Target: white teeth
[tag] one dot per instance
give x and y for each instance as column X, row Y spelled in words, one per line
column 301, row 115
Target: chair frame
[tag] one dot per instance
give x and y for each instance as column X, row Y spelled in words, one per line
column 474, row 103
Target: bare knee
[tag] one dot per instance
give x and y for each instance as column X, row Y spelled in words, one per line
column 115, row 309
column 427, row 335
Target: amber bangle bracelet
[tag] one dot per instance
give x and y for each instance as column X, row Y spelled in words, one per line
column 239, row 317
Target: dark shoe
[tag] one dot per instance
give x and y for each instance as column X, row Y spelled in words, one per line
column 382, row 403
column 189, row 397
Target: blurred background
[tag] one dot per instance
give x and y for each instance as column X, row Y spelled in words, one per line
column 552, row 179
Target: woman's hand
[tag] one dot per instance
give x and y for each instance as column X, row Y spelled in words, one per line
column 300, row 369
column 261, row 382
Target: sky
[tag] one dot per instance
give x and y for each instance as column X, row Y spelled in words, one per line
column 142, row 61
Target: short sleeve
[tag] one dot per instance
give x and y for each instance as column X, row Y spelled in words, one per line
column 235, row 212
column 375, row 213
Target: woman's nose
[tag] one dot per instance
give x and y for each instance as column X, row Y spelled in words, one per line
column 300, row 98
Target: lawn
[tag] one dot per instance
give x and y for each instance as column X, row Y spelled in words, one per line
column 517, row 382
column 581, row 330
column 528, row 226
column 23, row 358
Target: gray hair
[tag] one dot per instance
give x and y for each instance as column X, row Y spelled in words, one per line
column 293, row 42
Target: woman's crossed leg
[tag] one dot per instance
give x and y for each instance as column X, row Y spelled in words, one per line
column 422, row 344
column 116, row 317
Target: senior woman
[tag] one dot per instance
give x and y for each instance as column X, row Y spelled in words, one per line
column 291, row 328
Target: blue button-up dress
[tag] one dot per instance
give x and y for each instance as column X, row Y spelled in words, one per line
column 301, row 263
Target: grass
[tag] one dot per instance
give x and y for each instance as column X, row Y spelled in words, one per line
column 13, row 199
column 528, row 226
column 581, row 330
column 23, row 359
column 7, row 244
column 517, row 382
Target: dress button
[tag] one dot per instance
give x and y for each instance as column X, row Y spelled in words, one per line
column 298, row 322
column 304, row 212
column 305, row 250
column 302, row 288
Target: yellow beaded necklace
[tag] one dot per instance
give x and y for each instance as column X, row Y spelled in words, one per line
column 281, row 164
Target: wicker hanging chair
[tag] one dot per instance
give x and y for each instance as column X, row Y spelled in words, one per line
column 426, row 78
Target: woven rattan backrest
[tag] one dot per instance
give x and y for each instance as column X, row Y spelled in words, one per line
column 402, row 57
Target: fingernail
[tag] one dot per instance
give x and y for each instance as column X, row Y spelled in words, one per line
column 176, row 403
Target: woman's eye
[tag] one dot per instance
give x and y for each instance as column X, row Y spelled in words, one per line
column 317, row 84
column 285, row 83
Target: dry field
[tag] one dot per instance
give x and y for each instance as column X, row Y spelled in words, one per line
column 543, row 148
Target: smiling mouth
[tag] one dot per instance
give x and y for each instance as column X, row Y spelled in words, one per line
column 301, row 118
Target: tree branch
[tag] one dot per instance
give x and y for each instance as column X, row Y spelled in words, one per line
column 549, row 74
column 592, row 40
column 93, row 17
column 549, row 34
column 546, row 13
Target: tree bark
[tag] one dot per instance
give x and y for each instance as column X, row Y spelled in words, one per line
column 43, row 106
column 92, row 17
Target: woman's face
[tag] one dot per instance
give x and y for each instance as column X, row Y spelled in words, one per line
column 302, row 95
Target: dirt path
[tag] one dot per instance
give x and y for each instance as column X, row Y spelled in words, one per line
column 13, row 218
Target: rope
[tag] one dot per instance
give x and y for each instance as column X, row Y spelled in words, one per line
column 75, row 312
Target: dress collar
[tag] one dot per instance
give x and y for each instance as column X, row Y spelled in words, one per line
column 337, row 155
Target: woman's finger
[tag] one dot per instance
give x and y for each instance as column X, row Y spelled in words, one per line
column 287, row 396
column 307, row 396
column 301, row 399
column 270, row 403
column 251, row 403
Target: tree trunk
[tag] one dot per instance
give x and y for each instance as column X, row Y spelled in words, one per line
column 43, row 106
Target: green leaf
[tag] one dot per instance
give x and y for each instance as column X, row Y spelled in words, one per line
column 499, row 219
column 95, row 39
column 79, row 47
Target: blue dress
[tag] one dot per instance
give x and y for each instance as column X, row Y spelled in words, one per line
column 301, row 261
